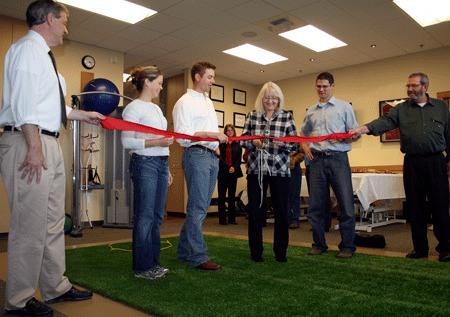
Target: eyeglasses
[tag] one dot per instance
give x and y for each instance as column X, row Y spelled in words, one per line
column 322, row 86
column 413, row 85
column 270, row 98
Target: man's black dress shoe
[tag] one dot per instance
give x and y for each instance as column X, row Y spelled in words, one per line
column 32, row 308
column 72, row 295
column 416, row 255
column 444, row 257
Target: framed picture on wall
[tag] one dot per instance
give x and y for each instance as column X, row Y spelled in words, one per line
column 238, row 119
column 217, row 93
column 220, row 118
column 385, row 106
column 239, row 97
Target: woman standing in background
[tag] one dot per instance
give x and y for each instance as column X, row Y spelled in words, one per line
column 229, row 171
column 149, row 171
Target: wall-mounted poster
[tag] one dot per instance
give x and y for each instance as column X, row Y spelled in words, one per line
column 220, row 117
column 385, row 107
column 239, row 97
column 217, row 93
column 238, row 119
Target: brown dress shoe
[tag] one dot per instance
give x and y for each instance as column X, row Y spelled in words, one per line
column 345, row 254
column 315, row 251
column 209, row 266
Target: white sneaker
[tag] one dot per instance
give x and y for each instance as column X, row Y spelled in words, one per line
column 163, row 270
column 150, row 274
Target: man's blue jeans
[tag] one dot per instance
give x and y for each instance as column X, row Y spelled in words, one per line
column 150, row 180
column 200, row 171
column 334, row 170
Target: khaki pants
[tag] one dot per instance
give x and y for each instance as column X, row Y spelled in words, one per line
column 36, row 254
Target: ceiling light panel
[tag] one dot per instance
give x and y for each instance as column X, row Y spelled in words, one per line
column 313, row 38
column 255, row 54
column 117, row 9
column 426, row 12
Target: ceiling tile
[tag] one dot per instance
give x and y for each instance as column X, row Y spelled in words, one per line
column 139, row 34
column 222, row 5
column 222, row 23
column 147, row 51
column 190, row 10
column 289, row 5
column 255, row 11
column 102, row 25
column 118, row 44
column 170, row 43
column 194, row 33
column 163, row 23
column 318, row 11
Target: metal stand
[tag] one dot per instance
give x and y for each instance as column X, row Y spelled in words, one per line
column 76, row 170
column 80, row 188
column 377, row 217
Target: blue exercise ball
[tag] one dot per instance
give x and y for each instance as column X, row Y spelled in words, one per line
column 98, row 97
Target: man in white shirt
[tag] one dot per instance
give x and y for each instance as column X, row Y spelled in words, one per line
column 194, row 114
column 32, row 166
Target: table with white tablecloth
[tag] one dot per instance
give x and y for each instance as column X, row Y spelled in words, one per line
column 371, row 187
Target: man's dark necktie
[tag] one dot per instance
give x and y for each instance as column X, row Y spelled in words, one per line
column 61, row 95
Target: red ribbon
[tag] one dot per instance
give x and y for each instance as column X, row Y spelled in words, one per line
column 117, row 124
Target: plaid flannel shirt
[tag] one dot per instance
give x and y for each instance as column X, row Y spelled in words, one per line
column 281, row 124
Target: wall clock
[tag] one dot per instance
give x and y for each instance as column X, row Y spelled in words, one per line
column 88, row 62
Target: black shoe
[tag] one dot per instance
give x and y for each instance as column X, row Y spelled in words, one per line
column 223, row 223
column 283, row 259
column 444, row 257
column 416, row 255
column 72, row 295
column 232, row 223
column 32, row 308
column 257, row 259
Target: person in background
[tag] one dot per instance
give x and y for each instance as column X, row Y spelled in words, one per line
column 149, row 172
column 329, row 165
column 229, row 171
column 194, row 114
column 268, row 165
column 295, row 187
column 424, row 125
column 32, row 164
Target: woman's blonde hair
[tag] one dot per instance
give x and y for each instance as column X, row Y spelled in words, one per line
column 275, row 91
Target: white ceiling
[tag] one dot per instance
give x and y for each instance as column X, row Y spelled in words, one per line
column 185, row 31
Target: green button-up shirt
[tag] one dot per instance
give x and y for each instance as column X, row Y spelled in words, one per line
column 423, row 130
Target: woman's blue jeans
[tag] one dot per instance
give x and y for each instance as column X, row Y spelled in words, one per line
column 150, row 181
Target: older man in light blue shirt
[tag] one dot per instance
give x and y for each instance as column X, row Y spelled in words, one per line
column 329, row 166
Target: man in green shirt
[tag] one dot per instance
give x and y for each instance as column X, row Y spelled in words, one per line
column 424, row 125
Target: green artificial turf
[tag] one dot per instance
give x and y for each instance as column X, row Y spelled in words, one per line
column 365, row 285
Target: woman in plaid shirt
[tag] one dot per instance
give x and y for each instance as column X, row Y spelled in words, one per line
column 268, row 165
